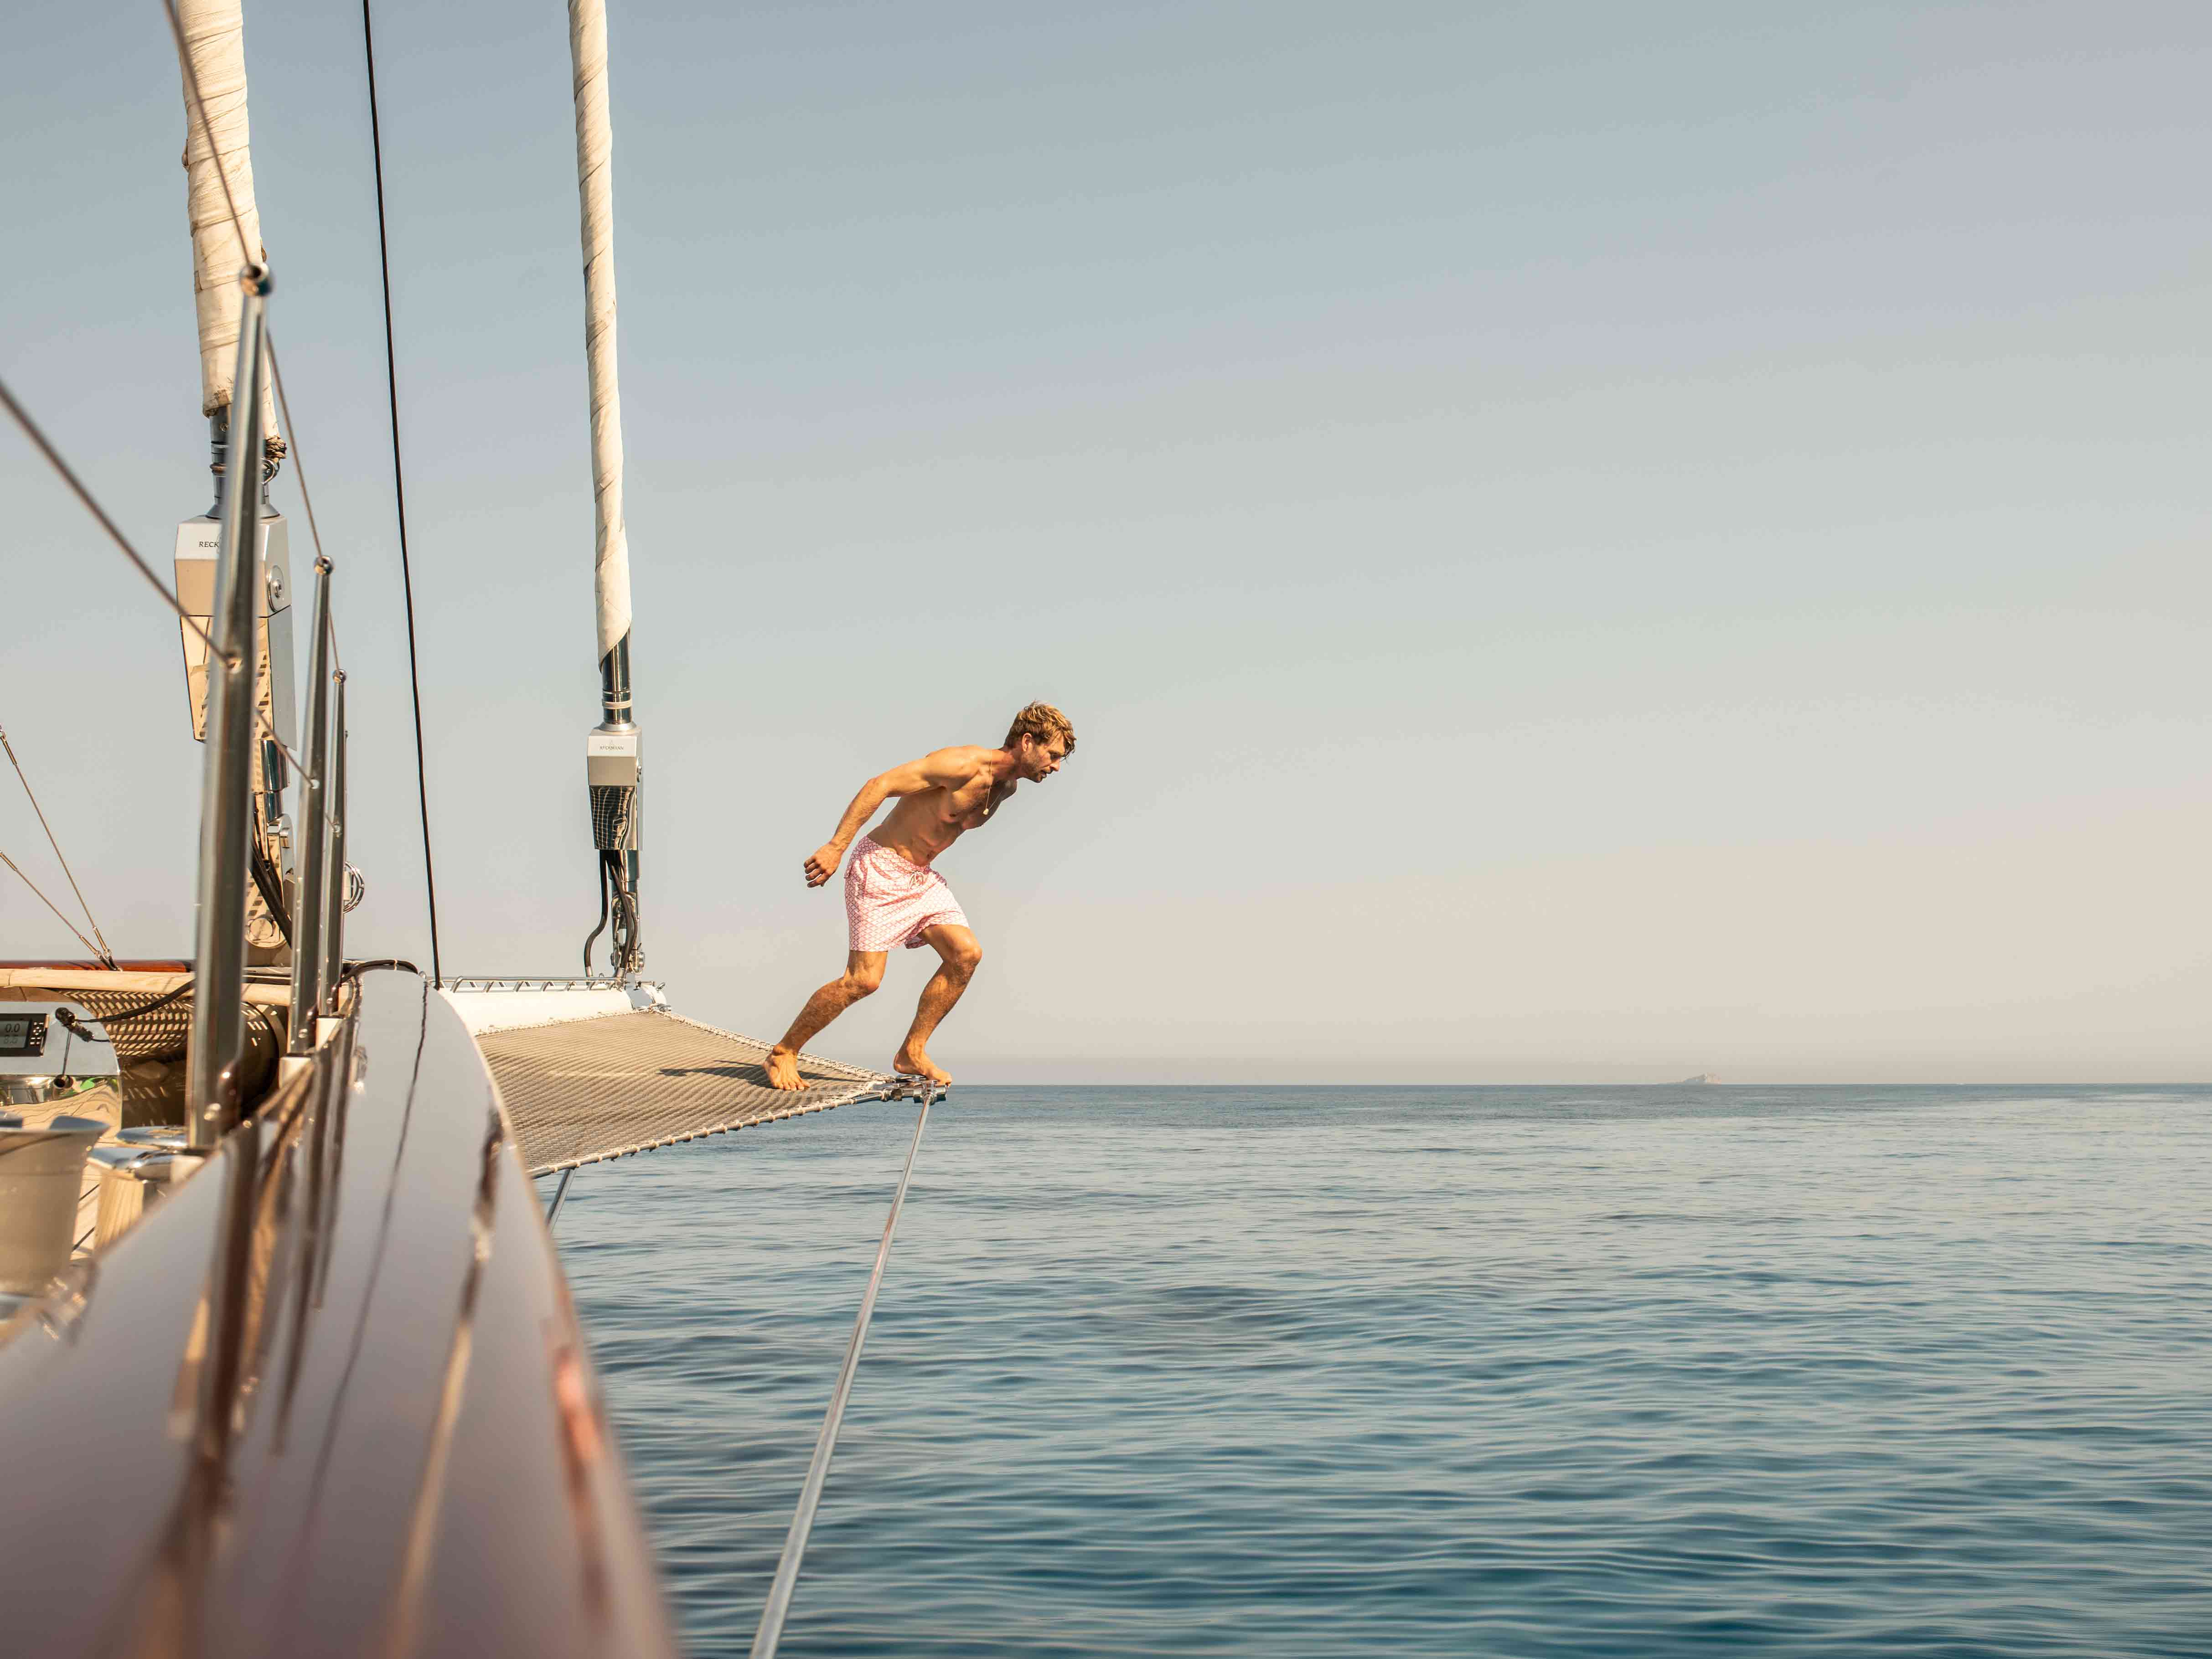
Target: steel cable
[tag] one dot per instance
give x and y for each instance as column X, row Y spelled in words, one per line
column 38, row 441
column 292, row 436
column 817, row 1471
column 50, row 905
column 399, row 489
column 104, row 951
column 38, row 437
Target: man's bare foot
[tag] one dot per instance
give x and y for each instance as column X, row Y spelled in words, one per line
column 911, row 1061
column 783, row 1070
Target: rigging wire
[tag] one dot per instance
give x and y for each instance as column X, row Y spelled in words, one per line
column 105, row 954
column 298, row 766
column 53, row 458
column 399, row 486
column 299, row 471
column 292, row 434
column 39, row 442
column 50, row 905
column 553, row 1210
column 817, row 1470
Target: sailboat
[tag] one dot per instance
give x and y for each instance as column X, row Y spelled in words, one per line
column 288, row 1363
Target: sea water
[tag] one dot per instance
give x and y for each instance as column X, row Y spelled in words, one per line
column 1432, row 1371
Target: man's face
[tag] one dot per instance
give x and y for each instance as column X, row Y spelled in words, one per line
column 1039, row 761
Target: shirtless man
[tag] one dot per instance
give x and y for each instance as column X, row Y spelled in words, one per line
column 892, row 895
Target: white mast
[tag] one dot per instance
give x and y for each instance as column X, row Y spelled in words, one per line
column 611, row 752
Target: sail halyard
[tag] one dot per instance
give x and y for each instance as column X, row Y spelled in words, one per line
column 613, row 757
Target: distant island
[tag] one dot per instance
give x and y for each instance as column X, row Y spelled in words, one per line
column 1704, row 1079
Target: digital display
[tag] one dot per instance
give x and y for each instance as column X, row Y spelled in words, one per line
column 15, row 1036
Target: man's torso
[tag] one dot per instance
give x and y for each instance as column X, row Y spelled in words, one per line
column 919, row 827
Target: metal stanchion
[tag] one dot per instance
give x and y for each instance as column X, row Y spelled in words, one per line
column 218, row 1028
column 334, row 890
column 309, row 908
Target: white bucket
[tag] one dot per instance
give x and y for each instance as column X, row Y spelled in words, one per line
column 41, row 1178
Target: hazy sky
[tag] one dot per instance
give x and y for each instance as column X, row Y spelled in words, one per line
column 1579, row 542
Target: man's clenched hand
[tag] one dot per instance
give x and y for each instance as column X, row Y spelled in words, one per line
column 822, row 863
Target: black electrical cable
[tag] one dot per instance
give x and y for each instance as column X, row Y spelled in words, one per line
column 622, row 945
column 183, row 990
column 271, row 887
column 592, row 938
column 355, row 970
column 399, row 490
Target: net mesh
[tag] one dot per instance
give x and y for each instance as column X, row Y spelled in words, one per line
column 592, row 1088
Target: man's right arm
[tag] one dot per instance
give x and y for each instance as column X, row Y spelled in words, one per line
column 940, row 770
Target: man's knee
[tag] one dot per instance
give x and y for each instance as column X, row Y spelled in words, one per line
column 861, row 981
column 964, row 957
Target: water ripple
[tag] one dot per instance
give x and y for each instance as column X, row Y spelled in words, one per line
column 1511, row 1372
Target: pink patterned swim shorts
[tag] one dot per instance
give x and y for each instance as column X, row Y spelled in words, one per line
column 889, row 901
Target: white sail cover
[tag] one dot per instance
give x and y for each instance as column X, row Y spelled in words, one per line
column 587, row 49
column 215, row 44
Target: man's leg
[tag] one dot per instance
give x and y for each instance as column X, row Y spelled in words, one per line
column 864, row 971
column 961, row 954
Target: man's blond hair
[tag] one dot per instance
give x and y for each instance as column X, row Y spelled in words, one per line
column 1043, row 722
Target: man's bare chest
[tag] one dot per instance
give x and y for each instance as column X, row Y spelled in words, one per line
column 967, row 805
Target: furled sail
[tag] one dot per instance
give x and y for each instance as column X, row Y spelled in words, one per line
column 215, row 47
column 587, row 48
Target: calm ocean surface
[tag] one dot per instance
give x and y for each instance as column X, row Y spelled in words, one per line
column 1432, row 1371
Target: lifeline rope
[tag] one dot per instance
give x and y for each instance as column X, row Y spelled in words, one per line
column 103, row 951
column 400, row 490
column 817, row 1471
